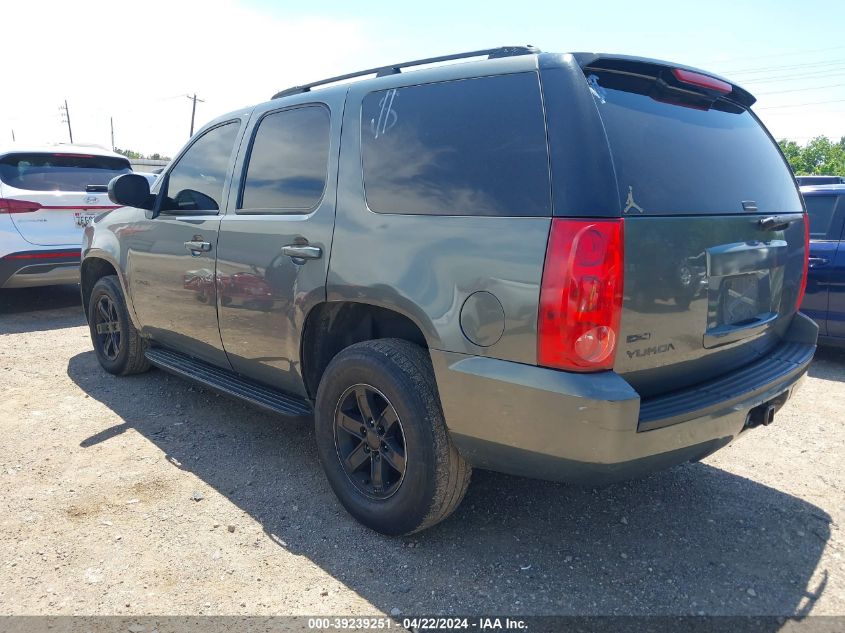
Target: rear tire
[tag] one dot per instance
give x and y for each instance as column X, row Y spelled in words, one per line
column 398, row 386
column 117, row 344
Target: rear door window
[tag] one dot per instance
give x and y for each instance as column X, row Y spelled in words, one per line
column 59, row 172
column 467, row 147
column 689, row 158
column 288, row 161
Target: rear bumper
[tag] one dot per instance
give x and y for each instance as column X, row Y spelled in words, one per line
column 48, row 267
column 593, row 428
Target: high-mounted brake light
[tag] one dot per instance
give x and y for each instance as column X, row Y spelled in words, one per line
column 803, row 287
column 581, row 295
column 18, row 206
column 701, row 81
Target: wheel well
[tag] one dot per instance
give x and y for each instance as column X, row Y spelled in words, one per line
column 332, row 327
column 93, row 270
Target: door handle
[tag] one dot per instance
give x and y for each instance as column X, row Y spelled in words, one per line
column 816, row 262
column 298, row 251
column 195, row 247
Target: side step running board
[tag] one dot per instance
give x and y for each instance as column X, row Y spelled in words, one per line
column 229, row 383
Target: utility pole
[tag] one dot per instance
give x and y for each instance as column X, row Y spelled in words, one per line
column 13, row 135
column 193, row 110
column 66, row 119
column 111, row 121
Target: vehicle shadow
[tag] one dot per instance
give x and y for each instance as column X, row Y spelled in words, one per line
column 828, row 364
column 693, row 539
column 40, row 309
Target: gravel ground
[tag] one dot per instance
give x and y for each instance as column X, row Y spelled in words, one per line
column 149, row 495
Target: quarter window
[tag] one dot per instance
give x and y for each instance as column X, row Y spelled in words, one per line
column 467, row 147
column 288, row 161
column 196, row 182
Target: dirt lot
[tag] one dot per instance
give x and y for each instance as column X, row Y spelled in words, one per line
column 149, row 495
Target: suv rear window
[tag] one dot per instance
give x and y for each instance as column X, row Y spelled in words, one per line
column 688, row 158
column 59, row 172
column 466, row 147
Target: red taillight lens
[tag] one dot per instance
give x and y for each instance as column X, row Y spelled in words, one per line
column 701, row 81
column 581, row 295
column 18, row 206
column 803, row 287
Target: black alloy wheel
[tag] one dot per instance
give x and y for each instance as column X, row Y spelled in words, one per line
column 108, row 329
column 370, row 441
column 117, row 344
column 382, row 438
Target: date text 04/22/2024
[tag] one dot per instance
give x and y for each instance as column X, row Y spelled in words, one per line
column 418, row 623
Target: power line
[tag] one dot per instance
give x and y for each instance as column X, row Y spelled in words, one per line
column 815, row 111
column 834, row 72
column 783, row 54
column 781, row 67
column 797, row 105
column 778, row 92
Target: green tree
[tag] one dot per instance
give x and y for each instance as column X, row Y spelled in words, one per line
column 792, row 151
column 127, row 152
column 819, row 156
column 131, row 154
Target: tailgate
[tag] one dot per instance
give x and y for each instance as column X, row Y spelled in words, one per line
column 704, row 295
column 60, row 219
column 714, row 225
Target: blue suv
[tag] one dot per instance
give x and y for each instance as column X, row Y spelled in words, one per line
column 825, row 298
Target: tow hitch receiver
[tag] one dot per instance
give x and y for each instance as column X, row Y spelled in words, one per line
column 763, row 414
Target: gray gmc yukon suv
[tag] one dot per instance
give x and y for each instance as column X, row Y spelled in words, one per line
column 579, row 267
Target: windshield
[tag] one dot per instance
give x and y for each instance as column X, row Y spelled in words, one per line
column 60, row 172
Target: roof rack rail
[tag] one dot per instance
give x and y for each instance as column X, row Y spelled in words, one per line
column 393, row 69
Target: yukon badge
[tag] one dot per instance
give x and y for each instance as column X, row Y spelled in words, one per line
column 650, row 351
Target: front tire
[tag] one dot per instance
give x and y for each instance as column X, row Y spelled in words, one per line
column 117, row 344
column 382, row 438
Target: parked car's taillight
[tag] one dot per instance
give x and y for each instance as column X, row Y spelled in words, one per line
column 18, row 206
column 802, row 289
column 581, row 295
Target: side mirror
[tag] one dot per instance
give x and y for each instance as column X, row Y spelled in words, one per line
column 131, row 190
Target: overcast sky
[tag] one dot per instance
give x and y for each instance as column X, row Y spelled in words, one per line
column 137, row 61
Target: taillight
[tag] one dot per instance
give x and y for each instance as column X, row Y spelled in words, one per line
column 803, row 287
column 18, row 206
column 581, row 295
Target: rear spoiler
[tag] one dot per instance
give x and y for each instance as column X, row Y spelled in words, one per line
column 658, row 69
